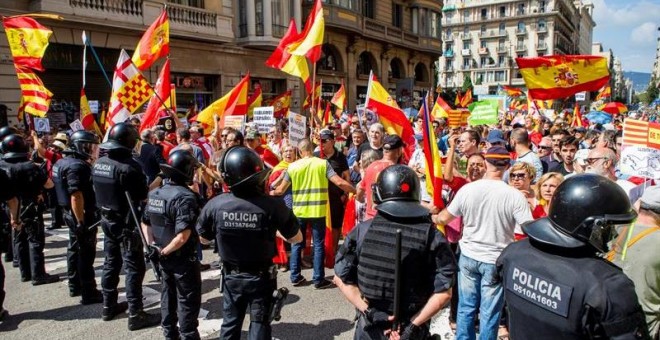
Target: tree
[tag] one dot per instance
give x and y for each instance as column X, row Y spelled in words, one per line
column 467, row 83
column 652, row 90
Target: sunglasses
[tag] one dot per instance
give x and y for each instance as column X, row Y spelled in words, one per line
column 518, row 176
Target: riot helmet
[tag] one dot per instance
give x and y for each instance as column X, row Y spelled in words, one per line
column 6, row 131
column 242, row 167
column 14, row 147
column 82, row 143
column 586, row 210
column 180, row 166
column 396, row 192
column 121, row 136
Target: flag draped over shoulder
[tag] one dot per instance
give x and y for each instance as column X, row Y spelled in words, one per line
column 294, row 65
column 311, row 37
column 232, row 103
column 432, row 156
column 281, row 105
column 159, row 100
column 86, row 117
column 130, row 90
column 577, row 117
column 339, row 99
column 27, row 40
column 35, row 96
column 154, row 44
column 390, row 115
column 560, row 76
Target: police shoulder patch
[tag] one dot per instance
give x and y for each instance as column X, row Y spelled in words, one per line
column 530, row 286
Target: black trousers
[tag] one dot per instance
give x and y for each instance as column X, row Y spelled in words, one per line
column 243, row 291
column 122, row 245
column 181, row 297
column 56, row 211
column 2, row 284
column 80, row 256
column 29, row 246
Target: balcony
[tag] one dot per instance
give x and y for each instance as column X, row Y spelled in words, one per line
column 448, row 37
column 521, row 31
column 465, row 67
column 492, row 34
column 466, row 36
column 185, row 22
column 502, row 49
column 521, row 48
column 541, row 46
column 465, row 52
column 448, row 54
column 483, row 50
column 449, row 69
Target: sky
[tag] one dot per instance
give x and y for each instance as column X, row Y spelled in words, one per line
column 630, row 29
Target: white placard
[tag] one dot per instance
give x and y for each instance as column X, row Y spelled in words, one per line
column 41, row 125
column 640, row 161
column 581, row 96
column 297, row 128
column 236, row 122
column 94, row 106
column 480, row 90
column 263, row 118
column 76, row 125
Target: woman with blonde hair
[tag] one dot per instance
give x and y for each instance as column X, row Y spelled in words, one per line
column 545, row 189
column 289, row 155
column 521, row 176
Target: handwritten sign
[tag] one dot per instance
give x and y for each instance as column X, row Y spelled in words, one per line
column 263, row 118
column 297, row 128
column 236, row 122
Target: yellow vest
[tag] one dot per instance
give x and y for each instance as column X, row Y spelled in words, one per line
column 309, row 186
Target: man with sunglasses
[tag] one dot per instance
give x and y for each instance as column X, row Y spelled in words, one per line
column 602, row 161
column 543, row 151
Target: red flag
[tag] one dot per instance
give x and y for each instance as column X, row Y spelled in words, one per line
column 163, row 89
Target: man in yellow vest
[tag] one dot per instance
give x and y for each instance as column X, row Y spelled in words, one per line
column 309, row 177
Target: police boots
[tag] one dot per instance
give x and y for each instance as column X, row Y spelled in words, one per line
column 141, row 320
column 109, row 312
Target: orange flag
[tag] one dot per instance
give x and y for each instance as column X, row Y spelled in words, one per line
column 154, row 44
column 560, row 76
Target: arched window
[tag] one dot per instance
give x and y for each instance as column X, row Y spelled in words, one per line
column 421, row 73
column 330, row 59
column 365, row 64
column 396, row 69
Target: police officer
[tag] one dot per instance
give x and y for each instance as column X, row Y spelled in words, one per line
column 29, row 237
column 244, row 224
column 170, row 218
column 8, row 193
column 72, row 176
column 556, row 287
column 364, row 267
column 113, row 176
column 6, row 244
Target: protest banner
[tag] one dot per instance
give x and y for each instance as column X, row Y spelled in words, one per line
column 297, row 128
column 640, row 154
column 263, row 118
column 483, row 112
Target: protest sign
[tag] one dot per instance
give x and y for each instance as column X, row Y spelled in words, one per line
column 297, row 128
column 41, row 125
column 640, row 155
column 263, row 118
column 236, row 122
column 76, row 125
column 483, row 113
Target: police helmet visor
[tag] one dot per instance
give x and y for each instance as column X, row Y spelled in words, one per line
column 599, row 231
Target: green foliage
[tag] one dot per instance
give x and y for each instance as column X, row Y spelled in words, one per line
column 467, row 83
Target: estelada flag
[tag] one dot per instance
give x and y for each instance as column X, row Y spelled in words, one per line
column 560, row 76
column 432, row 157
column 27, row 41
column 86, row 117
column 339, row 99
column 35, row 96
column 466, row 99
column 294, row 65
column 130, row 90
column 154, row 44
column 281, row 105
column 160, row 100
column 232, row 103
column 390, row 115
column 311, row 38
column 255, row 99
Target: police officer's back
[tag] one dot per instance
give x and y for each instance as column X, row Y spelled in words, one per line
column 366, row 260
column 171, row 213
column 244, row 223
column 556, row 287
column 72, row 176
column 113, row 176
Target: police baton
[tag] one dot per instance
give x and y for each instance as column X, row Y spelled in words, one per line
column 154, row 264
column 397, row 281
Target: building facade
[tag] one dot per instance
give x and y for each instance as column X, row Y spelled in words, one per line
column 655, row 73
column 483, row 38
column 213, row 44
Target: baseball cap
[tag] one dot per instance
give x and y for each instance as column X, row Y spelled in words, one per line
column 392, row 142
column 495, row 136
column 651, row 199
column 326, row 134
column 497, row 155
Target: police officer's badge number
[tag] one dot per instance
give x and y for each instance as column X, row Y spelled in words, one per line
column 538, row 290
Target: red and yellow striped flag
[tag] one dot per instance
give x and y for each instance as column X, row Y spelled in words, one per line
column 560, row 76
column 154, row 44
column 27, row 41
column 635, row 132
column 35, row 96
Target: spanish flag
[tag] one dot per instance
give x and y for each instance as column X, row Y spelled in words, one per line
column 512, row 91
column 35, row 96
column 390, row 115
column 232, row 103
column 577, row 117
column 605, row 92
column 281, row 105
column 294, row 65
column 159, row 100
column 339, row 99
column 440, row 109
column 255, row 99
column 432, row 156
column 27, row 41
column 86, row 117
column 560, row 76
column 311, row 38
column 317, row 95
column 155, row 43
column 466, row 99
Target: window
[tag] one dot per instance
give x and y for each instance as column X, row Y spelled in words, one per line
column 467, row 44
column 423, row 25
column 421, row 74
column 435, row 25
column 397, row 15
column 502, row 11
column 466, row 15
column 449, row 47
column 330, row 59
column 189, row 3
column 484, row 61
column 483, row 44
column 259, row 16
column 396, row 69
column 466, row 30
column 364, row 64
column 542, row 26
column 483, row 30
column 502, row 28
column 520, row 9
column 467, row 62
column 484, row 14
column 367, row 8
column 349, row 4
column 501, row 61
column 500, row 76
column 521, row 26
column 448, row 32
column 542, row 6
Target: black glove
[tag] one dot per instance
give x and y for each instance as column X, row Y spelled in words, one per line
column 413, row 332
column 377, row 318
column 153, row 253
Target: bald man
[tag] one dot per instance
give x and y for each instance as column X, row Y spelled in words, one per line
column 602, row 161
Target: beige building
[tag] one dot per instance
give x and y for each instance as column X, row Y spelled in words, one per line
column 656, row 64
column 483, row 38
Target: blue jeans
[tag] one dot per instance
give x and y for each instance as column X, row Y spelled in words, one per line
column 318, row 242
column 478, row 286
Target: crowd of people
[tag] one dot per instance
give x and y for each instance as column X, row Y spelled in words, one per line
column 495, row 180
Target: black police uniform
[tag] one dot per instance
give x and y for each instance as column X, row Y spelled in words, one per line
column 171, row 209
column 366, row 259
column 244, row 229
column 30, row 240
column 113, row 175
column 72, row 174
column 7, row 193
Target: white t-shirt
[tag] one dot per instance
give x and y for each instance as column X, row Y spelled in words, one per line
column 492, row 212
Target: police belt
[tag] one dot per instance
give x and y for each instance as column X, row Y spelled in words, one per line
column 230, row 269
column 113, row 215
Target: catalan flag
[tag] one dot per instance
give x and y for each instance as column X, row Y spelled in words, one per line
column 130, row 90
column 35, row 97
column 311, row 37
column 154, row 44
column 432, row 156
column 390, row 115
column 635, row 132
column 281, row 105
column 27, row 40
column 255, row 99
column 339, row 99
column 294, row 65
column 86, row 117
column 560, row 76
column 232, row 103
column 160, row 100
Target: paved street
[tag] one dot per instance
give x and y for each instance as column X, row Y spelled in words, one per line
column 48, row 312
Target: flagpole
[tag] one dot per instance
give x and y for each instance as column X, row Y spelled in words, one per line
column 88, row 42
column 311, row 115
